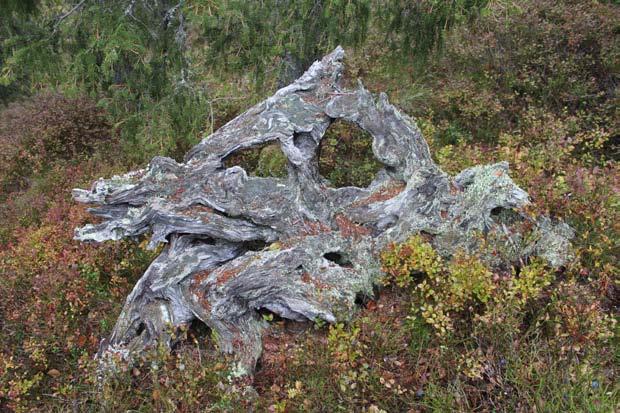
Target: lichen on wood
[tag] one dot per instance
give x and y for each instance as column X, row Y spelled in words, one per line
column 237, row 244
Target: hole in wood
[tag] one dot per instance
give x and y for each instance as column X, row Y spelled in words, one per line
column 346, row 157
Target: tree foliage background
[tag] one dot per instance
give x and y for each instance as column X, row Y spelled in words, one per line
column 132, row 55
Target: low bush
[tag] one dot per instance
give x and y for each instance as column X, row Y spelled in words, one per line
column 44, row 130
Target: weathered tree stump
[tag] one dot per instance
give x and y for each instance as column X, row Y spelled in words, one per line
column 237, row 244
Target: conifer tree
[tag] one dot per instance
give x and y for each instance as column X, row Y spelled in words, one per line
column 251, row 34
column 132, row 55
column 414, row 29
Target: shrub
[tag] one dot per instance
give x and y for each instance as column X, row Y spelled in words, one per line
column 533, row 278
column 346, row 352
column 577, row 321
column 401, row 261
column 58, row 298
column 50, row 127
column 446, row 290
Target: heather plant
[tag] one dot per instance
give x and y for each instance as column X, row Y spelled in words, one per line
column 68, row 291
column 576, row 320
column 346, row 352
column 46, row 143
column 47, row 129
column 517, row 57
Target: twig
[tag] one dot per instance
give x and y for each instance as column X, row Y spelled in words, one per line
column 67, row 14
column 129, row 9
column 514, row 245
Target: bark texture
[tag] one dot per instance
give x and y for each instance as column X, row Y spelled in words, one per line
column 236, row 244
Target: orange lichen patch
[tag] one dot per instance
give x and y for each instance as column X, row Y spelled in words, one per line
column 176, row 196
column 305, row 277
column 293, row 241
column 314, row 228
column 204, row 303
column 454, row 189
column 226, row 275
column 197, row 211
column 289, row 242
column 309, row 279
column 238, row 342
column 381, row 195
column 195, row 289
column 198, row 279
column 349, row 228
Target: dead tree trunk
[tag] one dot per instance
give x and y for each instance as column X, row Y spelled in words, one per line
column 297, row 247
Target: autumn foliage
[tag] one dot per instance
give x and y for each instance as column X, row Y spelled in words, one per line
column 534, row 83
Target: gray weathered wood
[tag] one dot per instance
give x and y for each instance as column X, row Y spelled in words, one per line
column 236, row 244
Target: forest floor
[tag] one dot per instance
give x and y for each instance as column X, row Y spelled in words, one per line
column 537, row 87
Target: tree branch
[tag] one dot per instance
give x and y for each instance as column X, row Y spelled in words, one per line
column 67, row 14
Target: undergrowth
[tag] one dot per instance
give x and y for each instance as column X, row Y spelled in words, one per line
column 534, row 83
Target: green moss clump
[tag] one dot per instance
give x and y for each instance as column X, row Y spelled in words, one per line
column 271, row 162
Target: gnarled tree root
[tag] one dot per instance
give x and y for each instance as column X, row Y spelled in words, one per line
column 237, row 244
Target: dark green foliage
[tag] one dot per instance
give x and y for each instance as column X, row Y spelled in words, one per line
column 15, row 18
column 128, row 54
column 136, row 57
column 416, row 28
column 23, row 7
column 249, row 35
column 133, row 57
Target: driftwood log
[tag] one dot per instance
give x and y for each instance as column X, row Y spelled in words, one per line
column 297, row 247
